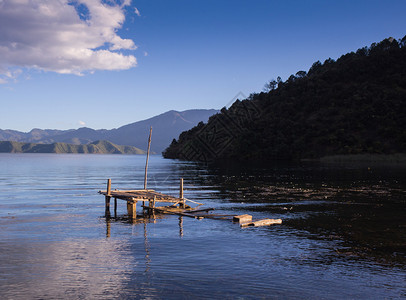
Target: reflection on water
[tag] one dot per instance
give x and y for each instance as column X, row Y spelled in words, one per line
column 343, row 234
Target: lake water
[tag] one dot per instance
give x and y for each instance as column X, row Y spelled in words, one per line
column 343, row 234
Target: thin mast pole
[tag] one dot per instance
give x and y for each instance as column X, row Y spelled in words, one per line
column 146, row 163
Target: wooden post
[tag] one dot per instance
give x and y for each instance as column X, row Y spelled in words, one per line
column 151, row 205
column 132, row 209
column 108, row 197
column 182, row 204
column 153, row 208
column 146, row 163
column 108, row 187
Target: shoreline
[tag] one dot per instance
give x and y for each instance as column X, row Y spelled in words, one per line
column 398, row 158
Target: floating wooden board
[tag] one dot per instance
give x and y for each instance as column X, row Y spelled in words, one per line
column 242, row 218
column 264, row 222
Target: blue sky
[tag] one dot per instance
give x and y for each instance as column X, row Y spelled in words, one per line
column 129, row 61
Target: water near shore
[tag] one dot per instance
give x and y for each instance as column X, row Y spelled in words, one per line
column 343, row 235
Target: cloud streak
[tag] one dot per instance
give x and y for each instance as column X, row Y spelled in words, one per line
column 63, row 36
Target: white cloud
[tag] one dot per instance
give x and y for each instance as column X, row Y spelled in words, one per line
column 8, row 75
column 81, row 123
column 63, row 36
column 137, row 12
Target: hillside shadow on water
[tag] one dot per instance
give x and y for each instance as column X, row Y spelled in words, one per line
column 360, row 205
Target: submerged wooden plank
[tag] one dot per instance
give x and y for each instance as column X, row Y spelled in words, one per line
column 200, row 210
column 264, row 222
column 173, row 212
column 193, row 213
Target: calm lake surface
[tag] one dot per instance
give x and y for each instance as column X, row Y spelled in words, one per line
column 343, row 234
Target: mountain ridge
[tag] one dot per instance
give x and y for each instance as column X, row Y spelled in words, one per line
column 166, row 127
column 97, row 147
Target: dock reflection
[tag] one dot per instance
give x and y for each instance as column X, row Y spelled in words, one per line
column 146, row 247
column 145, row 219
column 181, row 226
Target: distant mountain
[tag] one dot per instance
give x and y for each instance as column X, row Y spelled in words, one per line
column 32, row 136
column 166, row 127
column 98, row 147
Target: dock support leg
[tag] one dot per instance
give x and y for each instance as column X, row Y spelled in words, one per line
column 182, row 203
column 132, row 209
column 107, row 206
column 107, row 198
column 151, row 204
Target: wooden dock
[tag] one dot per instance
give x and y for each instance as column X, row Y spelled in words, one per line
column 145, row 195
column 177, row 206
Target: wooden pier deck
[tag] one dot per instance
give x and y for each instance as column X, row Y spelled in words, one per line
column 140, row 195
column 144, row 195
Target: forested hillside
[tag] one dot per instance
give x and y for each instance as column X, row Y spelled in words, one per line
column 354, row 105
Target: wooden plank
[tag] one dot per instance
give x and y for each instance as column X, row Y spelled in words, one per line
column 200, row 210
column 179, row 213
column 148, row 199
column 242, row 218
column 215, row 217
column 129, row 191
column 142, row 190
column 264, row 222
